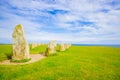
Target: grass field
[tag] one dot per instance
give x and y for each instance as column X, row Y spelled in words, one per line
column 76, row 63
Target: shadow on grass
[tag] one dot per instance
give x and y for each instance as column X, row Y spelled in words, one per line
column 41, row 52
column 54, row 54
column 8, row 55
column 58, row 50
column 20, row 61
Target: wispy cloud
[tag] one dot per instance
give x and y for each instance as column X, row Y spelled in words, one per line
column 77, row 21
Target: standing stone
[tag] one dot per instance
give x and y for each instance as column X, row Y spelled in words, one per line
column 62, row 47
column 20, row 45
column 67, row 46
column 32, row 45
column 47, row 52
column 51, row 48
column 54, row 46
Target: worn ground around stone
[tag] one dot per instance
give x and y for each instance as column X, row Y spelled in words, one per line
column 34, row 58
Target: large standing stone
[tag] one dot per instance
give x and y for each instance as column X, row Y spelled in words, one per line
column 20, row 45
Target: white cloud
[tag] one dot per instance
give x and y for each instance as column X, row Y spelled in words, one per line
column 105, row 24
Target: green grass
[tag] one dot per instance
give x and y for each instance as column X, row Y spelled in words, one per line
column 76, row 63
column 5, row 52
column 20, row 61
column 39, row 49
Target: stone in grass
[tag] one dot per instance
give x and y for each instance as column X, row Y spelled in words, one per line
column 47, row 52
column 33, row 45
column 51, row 48
column 62, row 47
column 20, row 45
column 67, row 46
column 53, row 43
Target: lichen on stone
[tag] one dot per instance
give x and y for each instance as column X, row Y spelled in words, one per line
column 20, row 45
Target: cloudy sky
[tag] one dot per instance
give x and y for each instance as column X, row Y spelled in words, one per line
column 75, row 21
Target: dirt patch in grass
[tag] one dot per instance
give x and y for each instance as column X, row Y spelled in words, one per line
column 34, row 58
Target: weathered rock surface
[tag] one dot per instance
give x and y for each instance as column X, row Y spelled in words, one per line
column 20, row 45
column 51, row 48
column 54, row 46
column 62, row 47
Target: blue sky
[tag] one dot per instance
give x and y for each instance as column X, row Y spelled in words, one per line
column 67, row 21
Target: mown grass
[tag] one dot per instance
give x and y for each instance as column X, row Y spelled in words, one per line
column 76, row 63
column 20, row 61
column 39, row 49
column 5, row 51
